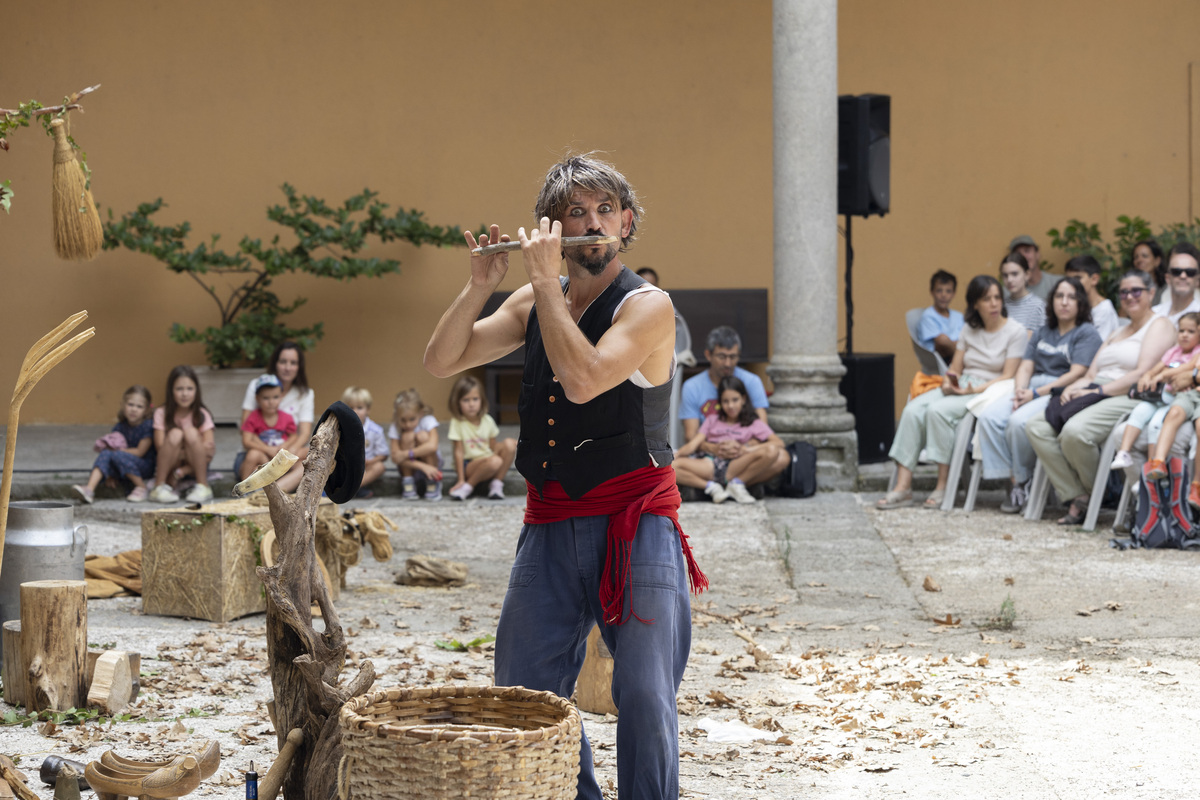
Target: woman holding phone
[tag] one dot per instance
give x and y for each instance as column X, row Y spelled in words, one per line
column 989, row 350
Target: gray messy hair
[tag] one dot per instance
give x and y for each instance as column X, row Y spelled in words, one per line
column 593, row 175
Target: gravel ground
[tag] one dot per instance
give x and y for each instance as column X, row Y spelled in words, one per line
column 817, row 641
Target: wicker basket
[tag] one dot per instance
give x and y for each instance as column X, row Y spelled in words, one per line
column 459, row 741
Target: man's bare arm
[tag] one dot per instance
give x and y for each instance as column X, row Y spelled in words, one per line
column 461, row 340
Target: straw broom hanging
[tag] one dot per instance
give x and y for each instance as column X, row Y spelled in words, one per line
column 77, row 230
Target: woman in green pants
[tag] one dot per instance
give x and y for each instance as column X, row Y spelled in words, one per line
column 989, row 350
column 1072, row 457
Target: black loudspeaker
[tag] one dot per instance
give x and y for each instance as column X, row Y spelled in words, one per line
column 869, row 389
column 864, row 154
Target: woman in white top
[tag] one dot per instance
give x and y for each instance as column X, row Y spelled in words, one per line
column 1022, row 305
column 287, row 364
column 989, row 350
column 1072, row 457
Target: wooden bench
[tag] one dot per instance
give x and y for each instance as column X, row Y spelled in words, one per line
column 745, row 310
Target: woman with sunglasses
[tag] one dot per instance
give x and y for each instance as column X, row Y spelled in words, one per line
column 1180, row 296
column 1072, row 457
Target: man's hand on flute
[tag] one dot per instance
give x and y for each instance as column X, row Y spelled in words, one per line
column 487, row 271
column 542, row 251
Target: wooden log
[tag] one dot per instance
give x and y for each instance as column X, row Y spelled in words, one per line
column 593, row 689
column 135, row 669
column 14, row 668
column 54, row 644
column 111, row 688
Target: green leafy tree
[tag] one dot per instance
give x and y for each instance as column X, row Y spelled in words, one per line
column 326, row 243
column 1116, row 255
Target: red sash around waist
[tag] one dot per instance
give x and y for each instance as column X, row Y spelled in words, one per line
column 624, row 500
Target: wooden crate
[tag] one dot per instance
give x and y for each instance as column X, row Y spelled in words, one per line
column 200, row 563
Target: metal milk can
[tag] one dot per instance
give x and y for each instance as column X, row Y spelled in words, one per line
column 42, row 543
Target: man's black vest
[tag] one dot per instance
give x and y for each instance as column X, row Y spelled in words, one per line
column 583, row 445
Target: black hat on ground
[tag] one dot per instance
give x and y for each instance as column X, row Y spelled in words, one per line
column 351, row 456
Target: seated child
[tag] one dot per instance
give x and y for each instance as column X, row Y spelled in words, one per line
column 266, row 427
column 130, row 458
column 413, row 436
column 747, row 451
column 359, row 399
column 479, row 455
column 1181, row 358
column 940, row 327
column 183, row 439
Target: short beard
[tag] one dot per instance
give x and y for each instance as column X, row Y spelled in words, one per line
column 594, row 264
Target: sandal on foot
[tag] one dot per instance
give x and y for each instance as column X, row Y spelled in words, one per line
column 1074, row 515
column 894, row 500
column 935, row 499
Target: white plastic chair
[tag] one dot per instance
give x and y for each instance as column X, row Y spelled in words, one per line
column 675, row 432
column 962, row 447
column 1039, row 491
column 931, row 362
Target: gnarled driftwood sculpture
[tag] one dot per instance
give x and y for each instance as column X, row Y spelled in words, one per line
column 305, row 664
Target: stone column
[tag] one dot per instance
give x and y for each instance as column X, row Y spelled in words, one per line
column 805, row 366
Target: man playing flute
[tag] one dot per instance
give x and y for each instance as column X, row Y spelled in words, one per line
column 601, row 544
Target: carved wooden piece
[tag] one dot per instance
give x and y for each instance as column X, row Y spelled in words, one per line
column 44, row 356
column 593, row 689
column 13, row 779
column 269, row 788
column 112, row 683
column 13, row 669
column 54, row 644
column 305, row 665
column 135, row 670
column 208, row 758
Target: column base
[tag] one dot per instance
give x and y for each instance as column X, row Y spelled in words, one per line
column 807, row 406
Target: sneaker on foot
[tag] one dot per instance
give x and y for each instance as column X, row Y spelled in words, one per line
column 199, row 494
column 717, row 492
column 1016, row 500
column 163, row 493
column 138, row 495
column 87, row 494
column 496, row 490
column 1122, row 460
column 1155, row 469
column 410, row 492
column 1194, row 494
column 434, row 493
column 462, row 492
column 738, row 491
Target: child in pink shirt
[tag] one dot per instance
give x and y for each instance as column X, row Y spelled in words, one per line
column 743, row 442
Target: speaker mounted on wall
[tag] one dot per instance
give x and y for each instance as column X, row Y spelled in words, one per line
column 864, row 154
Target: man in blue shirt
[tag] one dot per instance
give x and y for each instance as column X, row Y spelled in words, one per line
column 699, row 397
column 940, row 326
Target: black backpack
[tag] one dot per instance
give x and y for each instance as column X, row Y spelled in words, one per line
column 800, row 475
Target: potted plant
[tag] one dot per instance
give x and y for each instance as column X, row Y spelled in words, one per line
column 326, row 241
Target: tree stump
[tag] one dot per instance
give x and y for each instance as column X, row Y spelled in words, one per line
column 13, row 670
column 54, row 644
column 305, row 665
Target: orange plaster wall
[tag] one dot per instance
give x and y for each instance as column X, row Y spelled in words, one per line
column 454, row 108
column 1007, row 118
column 1010, row 118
